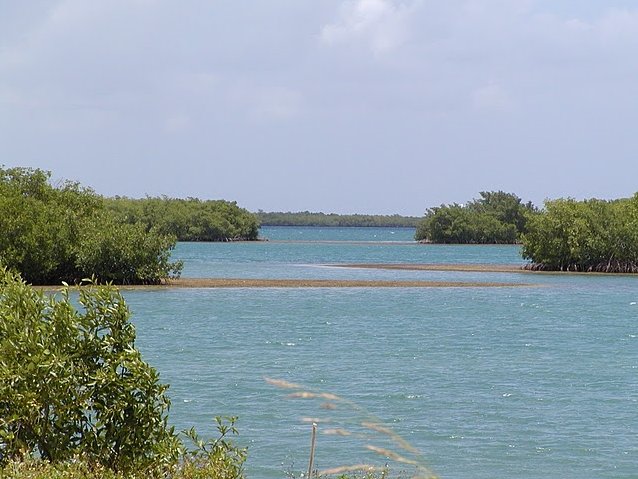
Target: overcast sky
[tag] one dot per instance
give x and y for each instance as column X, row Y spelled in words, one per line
column 370, row 106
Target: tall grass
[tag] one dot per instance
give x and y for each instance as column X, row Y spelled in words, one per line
column 363, row 427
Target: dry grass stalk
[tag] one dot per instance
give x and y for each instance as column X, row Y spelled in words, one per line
column 280, row 383
column 353, row 468
column 391, row 455
column 372, row 423
column 302, row 395
column 377, row 427
column 337, row 432
column 393, row 435
column 311, row 395
column 313, row 443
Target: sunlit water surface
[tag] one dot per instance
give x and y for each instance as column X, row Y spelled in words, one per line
column 525, row 382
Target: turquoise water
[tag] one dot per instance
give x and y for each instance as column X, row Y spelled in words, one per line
column 525, row 382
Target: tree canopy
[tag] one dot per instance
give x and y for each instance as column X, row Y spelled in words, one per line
column 495, row 217
column 188, row 219
column 589, row 235
column 64, row 232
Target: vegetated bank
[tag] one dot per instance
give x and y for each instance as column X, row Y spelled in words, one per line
column 306, row 218
column 496, row 217
column 189, row 219
column 77, row 401
column 590, row 235
column 52, row 234
column 67, row 232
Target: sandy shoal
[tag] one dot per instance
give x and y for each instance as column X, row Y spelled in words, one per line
column 465, row 268
column 326, row 283
column 348, row 283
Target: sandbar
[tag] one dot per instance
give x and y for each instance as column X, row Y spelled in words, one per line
column 465, row 268
column 327, row 283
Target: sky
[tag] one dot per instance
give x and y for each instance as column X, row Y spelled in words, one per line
column 366, row 106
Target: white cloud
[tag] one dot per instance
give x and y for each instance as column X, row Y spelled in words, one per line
column 382, row 25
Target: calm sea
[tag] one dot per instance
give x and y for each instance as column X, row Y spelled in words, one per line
column 521, row 382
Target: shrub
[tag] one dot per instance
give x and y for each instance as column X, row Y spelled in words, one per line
column 72, row 383
column 65, row 233
column 496, row 217
column 589, row 235
column 124, row 253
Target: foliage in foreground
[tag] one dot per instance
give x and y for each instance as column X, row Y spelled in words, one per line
column 78, row 401
column 495, row 218
column 72, row 383
column 591, row 235
column 188, row 219
column 61, row 233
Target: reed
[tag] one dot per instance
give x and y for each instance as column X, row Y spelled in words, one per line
column 363, row 426
column 365, row 468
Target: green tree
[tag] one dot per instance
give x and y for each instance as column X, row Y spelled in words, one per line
column 589, row 235
column 188, row 219
column 64, row 233
column 72, row 383
column 496, row 217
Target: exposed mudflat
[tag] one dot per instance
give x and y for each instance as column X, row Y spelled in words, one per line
column 349, row 283
column 468, row 268
column 326, row 283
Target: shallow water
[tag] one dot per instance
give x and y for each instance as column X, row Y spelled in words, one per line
column 540, row 381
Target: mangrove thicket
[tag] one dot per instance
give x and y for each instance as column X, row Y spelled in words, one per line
column 496, row 217
column 188, row 219
column 64, row 232
column 590, row 235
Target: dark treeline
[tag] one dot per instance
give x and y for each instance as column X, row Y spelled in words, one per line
column 590, row 235
column 306, row 218
column 188, row 219
column 566, row 235
column 494, row 218
column 51, row 234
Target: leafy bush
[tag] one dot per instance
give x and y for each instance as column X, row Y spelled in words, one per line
column 72, row 383
column 124, row 253
column 64, row 233
column 590, row 235
column 78, row 402
column 217, row 459
column 188, row 219
column 496, row 217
